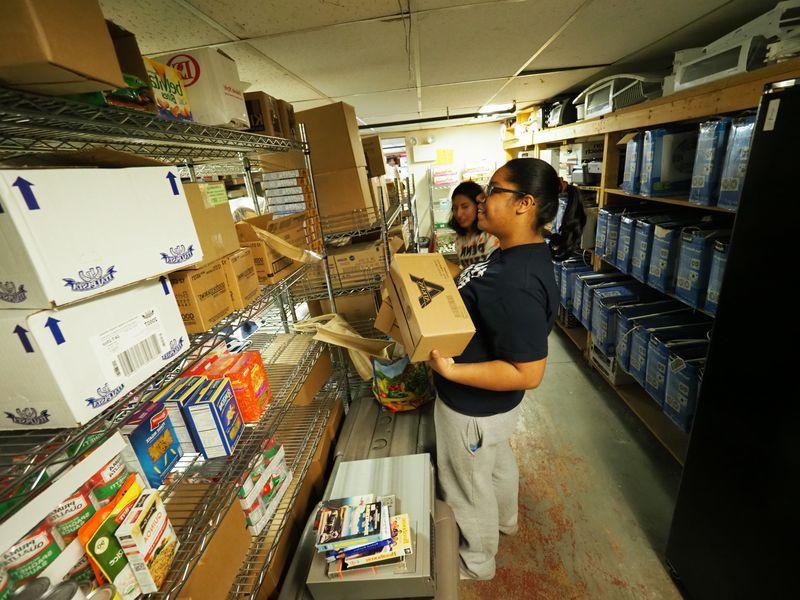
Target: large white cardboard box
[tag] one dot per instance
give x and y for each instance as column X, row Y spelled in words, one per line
column 63, row 367
column 212, row 82
column 70, row 234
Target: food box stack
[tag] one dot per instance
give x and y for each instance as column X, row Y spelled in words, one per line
column 287, row 192
column 262, row 487
column 90, row 317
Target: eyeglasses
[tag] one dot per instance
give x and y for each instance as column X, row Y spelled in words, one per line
column 493, row 189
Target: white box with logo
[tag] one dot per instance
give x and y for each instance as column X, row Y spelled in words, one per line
column 63, row 367
column 212, row 82
column 70, row 234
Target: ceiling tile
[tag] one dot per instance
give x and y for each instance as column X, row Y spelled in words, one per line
column 252, row 18
column 384, row 105
column 486, row 41
column 263, row 75
column 160, row 26
column 458, row 96
column 528, row 89
column 351, row 59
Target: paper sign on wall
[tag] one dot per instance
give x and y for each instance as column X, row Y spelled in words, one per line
column 444, row 156
column 424, row 153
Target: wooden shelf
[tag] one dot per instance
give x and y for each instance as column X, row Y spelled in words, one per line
column 674, row 201
column 731, row 94
column 588, row 188
column 578, row 335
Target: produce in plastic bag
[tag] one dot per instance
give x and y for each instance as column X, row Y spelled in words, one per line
column 400, row 385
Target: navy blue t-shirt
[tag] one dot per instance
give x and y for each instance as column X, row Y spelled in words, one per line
column 512, row 299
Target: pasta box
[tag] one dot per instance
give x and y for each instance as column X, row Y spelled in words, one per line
column 248, row 378
column 152, row 446
column 213, row 417
column 174, row 398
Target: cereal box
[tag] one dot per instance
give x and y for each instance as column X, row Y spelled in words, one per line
column 171, row 98
column 213, row 417
column 174, row 398
column 249, row 382
column 148, row 540
column 152, row 446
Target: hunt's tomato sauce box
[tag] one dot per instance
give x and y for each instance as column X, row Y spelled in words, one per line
column 152, row 446
column 249, row 382
column 213, row 416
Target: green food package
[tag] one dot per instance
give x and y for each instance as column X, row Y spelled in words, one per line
column 400, row 385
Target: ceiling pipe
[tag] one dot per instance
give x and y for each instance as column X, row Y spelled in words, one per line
column 447, row 117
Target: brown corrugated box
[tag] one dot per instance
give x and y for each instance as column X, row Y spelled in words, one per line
column 202, row 296
column 272, row 266
column 379, row 191
column 262, row 110
column 241, row 277
column 430, row 312
column 357, row 262
column 342, row 191
column 288, row 120
column 386, row 322
column 373, row 154
column 358, row 307
column 332, row 132
column 208, row 203
column 56, row 47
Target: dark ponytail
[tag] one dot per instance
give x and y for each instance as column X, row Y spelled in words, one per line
column 541, row 181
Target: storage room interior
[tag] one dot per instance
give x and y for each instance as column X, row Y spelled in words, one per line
column 322, row 300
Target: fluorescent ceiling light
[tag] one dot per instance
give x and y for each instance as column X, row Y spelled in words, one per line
column 488, row 109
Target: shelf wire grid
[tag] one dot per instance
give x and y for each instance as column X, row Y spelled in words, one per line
column 360, row 222
column 199, row 498
column 313, row 286
column 300, row 433
column 29, row 459
column 35, row 123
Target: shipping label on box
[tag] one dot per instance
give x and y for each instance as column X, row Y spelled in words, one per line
column 212, row 82
column 152, row 445
column 429, row 309
column 70, row 234
column 241, row 277
column 202, row 297
column 63, row 368
column 214, row 417
column 213, row 221
column 171, row 98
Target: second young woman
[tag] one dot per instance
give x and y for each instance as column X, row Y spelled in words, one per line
column 472, row 244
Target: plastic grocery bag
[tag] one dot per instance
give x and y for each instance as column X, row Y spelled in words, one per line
column 400, row 385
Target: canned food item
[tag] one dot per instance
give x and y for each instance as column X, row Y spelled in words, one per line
column 33, row 553
column 104, row 592
column 82, row 572
column 66, row 590
column 32, row 590
column 107, row 481
column 5, row 584
column 73, row 512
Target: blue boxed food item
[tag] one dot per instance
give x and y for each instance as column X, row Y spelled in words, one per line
column 684, row 374
column 627, row 223
column 633, row 163
column 214, row 418
column 694, row 263
column 708, row 161
column 735, row 165
column 174, row 398
column 600, row 233
column 631, row 315
column 569, row 268
column 667, row 160
column 664, row 253
column 152, row 447
column 658, row 354
column 719, row 258
column 640, row 343
column 641, row 246
column 612, row 237
column 592, row 281
column 604, row 300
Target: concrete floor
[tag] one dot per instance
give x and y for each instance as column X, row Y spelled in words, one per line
column 596, row 495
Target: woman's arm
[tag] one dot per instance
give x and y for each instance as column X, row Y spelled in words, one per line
column 495, row 375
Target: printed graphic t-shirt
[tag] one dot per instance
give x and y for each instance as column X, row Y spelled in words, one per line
column 512, row 299
column 475, row 247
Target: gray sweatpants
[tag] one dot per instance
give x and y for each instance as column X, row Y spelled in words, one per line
column 479, row 479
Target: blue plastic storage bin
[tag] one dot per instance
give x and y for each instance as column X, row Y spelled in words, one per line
column 684, row 375
column 735, row 165
column 711, row 144
column 633, row 164
column 719, row 257
column 694, row 263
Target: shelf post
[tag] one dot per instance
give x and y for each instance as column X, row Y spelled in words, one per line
column 248, row 182
column 412, row 227
column 384, row 228
column 192, row 173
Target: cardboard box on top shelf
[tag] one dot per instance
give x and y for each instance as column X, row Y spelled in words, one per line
column 342, row 191
column 69, row 234
column 332, row 133
column 171, row 98
column 52, row 47
column 63, row 368
column 271, row 265
column 282, row 161
column 212, row 82
column 428, row 307
column 373, row 154
column 202, row 296
column 262, row 110
column 213, row 221
column 241, row 277
column 288, row 120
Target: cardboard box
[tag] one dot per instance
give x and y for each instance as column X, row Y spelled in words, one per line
column 213, row 221
column 70, row 234
column 53, row 47
column 241, row 278
column 288, row 120
column 63, row 368
column 357, row 262
column 171, row 97
column 202, row 296
column 262, row 110
column 358, row 307
column 282, row 161
column 212, row 82
column 332, row 133
column 428, row 307
column 271, row 266
column 342, row 191
column 373, row 154
column 317, row 377
column 379, row 191
column 386, row 322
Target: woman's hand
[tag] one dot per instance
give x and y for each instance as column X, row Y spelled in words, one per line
column 443, row 366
